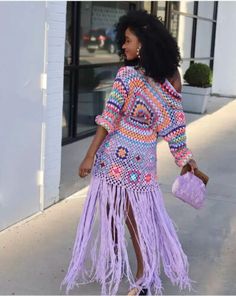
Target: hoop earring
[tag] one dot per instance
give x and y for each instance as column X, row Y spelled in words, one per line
column 138, row 52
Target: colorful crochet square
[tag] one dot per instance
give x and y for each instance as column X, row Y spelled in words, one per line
column 148, row 178
column 134, row 176
column 116, row 171
column 121, row 152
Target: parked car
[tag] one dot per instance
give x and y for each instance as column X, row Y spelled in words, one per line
column 100, row 39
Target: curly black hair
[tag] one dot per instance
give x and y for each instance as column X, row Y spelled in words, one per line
column 159, row 54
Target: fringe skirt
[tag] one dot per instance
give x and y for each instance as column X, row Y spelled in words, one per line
column 105, row 260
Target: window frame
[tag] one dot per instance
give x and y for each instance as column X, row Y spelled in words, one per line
column 195, row 17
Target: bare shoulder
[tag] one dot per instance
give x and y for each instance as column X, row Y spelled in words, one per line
column 175, row 80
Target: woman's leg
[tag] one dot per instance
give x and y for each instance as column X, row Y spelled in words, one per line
column 113, row 227
column 131, row 224
column 132, row 227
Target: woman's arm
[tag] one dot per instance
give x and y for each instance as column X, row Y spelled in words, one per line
column 175, row 80
column 87, row 163
column 100, row 135
column 110, row 116
column 172, row 126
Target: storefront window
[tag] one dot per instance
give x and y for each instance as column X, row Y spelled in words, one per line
column 174, row 25
column 94, row 87
column 98, row 59
column 97, row 31
column 161, row 10
column 68, row 39
column 91, row 63
column 67, row 74
column 147, row 5
column 66, row 104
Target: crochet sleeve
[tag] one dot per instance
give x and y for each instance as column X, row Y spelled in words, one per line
column 113, row 106
column 172, row 124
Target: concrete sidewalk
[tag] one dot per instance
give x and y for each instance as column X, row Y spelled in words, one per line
column 35, row 253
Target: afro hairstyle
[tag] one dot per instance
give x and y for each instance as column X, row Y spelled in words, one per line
column 159, row 53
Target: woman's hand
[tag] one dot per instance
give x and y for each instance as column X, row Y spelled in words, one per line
column 86, row 166
column 87, row 163
column 193, row 165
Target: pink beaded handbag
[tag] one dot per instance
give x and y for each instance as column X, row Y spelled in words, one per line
column 191, row 187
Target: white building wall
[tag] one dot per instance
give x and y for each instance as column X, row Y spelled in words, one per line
column 32, row 43
column 224, row 76
column 56, row 20
column 21, row 64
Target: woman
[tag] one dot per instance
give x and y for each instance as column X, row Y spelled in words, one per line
column 124, row 188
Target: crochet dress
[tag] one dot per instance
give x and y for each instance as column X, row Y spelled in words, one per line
column 137, row 111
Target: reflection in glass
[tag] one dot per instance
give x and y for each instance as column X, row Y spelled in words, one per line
column 94, row 87
column 95, row 65
column 187, row 6
column 147, row 6
column 66, row 105
column 185, row 35
column 97, row 31
column 174, row 25
column 68, row 39
column 206, row 9
column 203, row 38
column 161, row 10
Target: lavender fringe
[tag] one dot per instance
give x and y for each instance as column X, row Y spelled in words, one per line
column 109, row 261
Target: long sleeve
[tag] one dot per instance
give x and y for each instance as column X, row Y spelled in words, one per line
column 113, row 106
column 172, row 124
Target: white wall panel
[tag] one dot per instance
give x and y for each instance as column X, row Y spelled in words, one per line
column 21, row 64
column 224, row 77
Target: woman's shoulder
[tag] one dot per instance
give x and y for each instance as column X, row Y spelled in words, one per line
column 170, row 89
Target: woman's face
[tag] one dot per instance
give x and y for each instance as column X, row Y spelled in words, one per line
column 131, row 45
